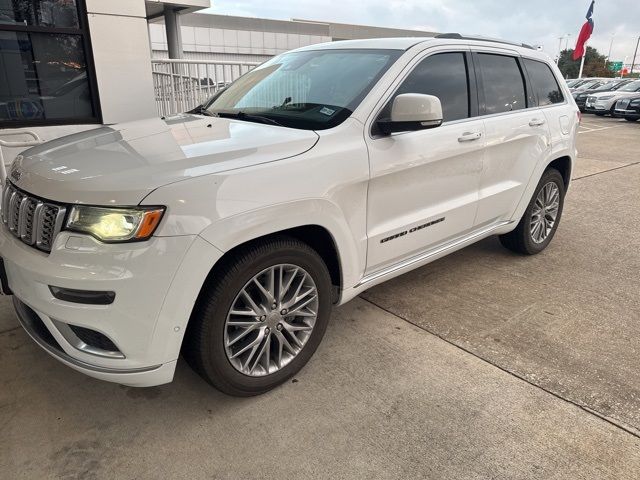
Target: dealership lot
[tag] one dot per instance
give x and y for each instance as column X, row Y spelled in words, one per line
column 481, row 365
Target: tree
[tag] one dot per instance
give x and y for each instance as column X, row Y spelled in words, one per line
column 594, row 64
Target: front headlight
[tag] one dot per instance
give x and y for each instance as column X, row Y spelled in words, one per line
column 606, row 97
column 115, row 224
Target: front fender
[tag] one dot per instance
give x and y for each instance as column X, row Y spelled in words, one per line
column 230, row 232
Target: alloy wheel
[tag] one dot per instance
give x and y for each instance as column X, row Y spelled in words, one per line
column 271, row 320
column 545, row 212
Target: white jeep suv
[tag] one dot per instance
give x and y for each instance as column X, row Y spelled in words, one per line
column 228, row 235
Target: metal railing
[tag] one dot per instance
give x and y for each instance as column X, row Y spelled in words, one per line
column 181, row 85
column 3, row 143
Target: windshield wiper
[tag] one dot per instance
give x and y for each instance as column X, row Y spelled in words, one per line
column 248, row 117
column 201, row 110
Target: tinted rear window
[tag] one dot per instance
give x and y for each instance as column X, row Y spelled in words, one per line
column 504, row 89
column 543, row 82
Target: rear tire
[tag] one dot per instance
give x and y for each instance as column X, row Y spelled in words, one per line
column 211, row 340
column 535, row 231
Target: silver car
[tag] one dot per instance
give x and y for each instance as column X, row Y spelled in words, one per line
column 604, row 103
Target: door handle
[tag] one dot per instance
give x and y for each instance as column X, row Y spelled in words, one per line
column 536, row 122
column 469, row 136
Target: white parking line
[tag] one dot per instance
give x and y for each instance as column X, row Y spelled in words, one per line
column 589, row 130
column 588, row 126
column 592, row 125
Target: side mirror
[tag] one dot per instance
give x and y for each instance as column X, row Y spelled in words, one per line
column 412, row 111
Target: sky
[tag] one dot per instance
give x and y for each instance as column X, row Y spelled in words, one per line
column 539, row 22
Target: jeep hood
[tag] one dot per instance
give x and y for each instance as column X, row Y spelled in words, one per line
column 122, row 164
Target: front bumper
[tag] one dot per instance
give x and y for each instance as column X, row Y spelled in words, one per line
column 631, row 114
column 142, row 322
column 40, row 332
column 599, row 106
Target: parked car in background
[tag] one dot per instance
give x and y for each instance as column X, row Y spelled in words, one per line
column 577, row 82
column 589, row 84
column 628, row 108
column 604, row 103
column 580, row 96
column 229, row 234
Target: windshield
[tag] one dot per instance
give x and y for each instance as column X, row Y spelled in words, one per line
column 311, row 90
column 619, row 85
column 592, row 84
column 607, row 86
column 579, row 83
column 631, row 87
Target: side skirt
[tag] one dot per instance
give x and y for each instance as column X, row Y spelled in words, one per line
column 423, row 258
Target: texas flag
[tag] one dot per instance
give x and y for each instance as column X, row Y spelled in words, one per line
column 585, row 33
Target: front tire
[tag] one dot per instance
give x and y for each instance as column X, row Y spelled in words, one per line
column 260, row 318
column 631, row 119
column 540, row 221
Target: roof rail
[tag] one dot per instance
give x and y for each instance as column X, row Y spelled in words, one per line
column 457, row 36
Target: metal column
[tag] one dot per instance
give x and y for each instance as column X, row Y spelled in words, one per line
column 174, row 34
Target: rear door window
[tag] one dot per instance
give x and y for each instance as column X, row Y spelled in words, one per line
column 503, row 83
column 543, row 82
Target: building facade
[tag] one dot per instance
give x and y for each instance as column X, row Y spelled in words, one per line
column 71, row 65
column 244, row 39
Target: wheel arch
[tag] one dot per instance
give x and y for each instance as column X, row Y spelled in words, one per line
column 204, row 260
column 315, row 236
column 562, row 163
column 565, row 166
column 317, row 222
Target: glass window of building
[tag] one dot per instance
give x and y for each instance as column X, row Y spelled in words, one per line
column 45, row 77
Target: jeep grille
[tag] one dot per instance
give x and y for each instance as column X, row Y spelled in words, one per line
column 34, row 221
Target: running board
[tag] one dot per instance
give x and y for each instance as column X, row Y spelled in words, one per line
column 452, row 245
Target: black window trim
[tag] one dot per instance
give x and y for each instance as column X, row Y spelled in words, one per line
column 84, row 33
column 472, row 87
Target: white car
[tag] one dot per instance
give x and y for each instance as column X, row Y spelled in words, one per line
column 229, row 235
column 605, row 102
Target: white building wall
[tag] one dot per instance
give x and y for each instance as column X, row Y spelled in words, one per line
column 122, row 59
column 201, row 43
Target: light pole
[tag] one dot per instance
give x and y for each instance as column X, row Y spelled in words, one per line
column 559, row 49
column 608, row 59
column 563, row 37
column 633, row 60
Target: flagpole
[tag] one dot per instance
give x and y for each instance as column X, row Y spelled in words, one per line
column 582, row 61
